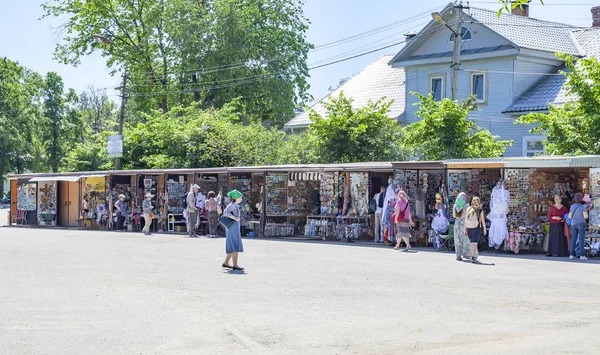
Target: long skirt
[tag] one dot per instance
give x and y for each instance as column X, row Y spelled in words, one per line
column 462, row 245
column 233, row 239
column 557, row 243
column 403, row 229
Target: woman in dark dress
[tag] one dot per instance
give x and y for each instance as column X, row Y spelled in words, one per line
column 557, row 244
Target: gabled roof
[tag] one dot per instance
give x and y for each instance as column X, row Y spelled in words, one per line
column 527, row 32
column 588, row 40
column 520, row 31
column 549, row 90
column 376, row 81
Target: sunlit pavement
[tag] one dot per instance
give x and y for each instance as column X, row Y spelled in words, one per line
column 82, row 292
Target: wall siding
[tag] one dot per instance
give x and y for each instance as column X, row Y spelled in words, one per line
column 500, row 94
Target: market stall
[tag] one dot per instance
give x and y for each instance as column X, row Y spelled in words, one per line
column 95, row 202
column 176, row 201
column 27, row 201
column 122, row 185
column 47, row 203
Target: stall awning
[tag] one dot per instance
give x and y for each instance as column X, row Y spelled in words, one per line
column 55, row 178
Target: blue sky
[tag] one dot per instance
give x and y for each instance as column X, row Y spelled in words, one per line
column 31, row 42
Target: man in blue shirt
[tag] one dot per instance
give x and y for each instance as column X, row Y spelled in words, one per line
column 578, row 214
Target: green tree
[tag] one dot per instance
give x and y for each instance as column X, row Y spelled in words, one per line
column 507, row 5
column 194, row 138
column 345, row 134
column 62, row 127
column 444, row 132
column 182, row 51
column 20, row 145
column 573, row 128
column 98, row 112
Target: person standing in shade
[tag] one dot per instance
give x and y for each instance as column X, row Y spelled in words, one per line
column 578, row 214
column 213, row 216
column 121, row 207
column 315, row 197
column 147, row 209
column 233, row 235
column 461, row 241
column 379, row 198
column 192, row 210
column 474, row 225
column 557, row 244
column 402, row 221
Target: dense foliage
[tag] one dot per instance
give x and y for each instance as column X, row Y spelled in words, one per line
column 574, row 127
column 182, row 51
column 444, row 132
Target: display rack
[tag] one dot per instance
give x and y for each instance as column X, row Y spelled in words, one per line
column 177, row 194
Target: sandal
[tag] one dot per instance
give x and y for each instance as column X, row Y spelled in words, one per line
column 396, row 248
column 459, row 259
column 238, row 268
column 225, row 266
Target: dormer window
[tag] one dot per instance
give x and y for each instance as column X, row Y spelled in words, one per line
column 465, row 34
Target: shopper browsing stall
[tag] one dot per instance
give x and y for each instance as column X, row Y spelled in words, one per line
column 557, row 243
column 578, row 214
column 379, row 200
column 213, row 216
column 403, row 221
column 121, row 207
column 192, row 210
column 474, row 225
column 461, row 241
column 233, row 241
column 147, row 210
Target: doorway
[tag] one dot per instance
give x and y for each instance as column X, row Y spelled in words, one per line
column 68, row 204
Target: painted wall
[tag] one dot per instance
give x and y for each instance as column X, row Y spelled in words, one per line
column 500, row 93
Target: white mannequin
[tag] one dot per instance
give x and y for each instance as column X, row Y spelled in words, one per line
column 499, row 209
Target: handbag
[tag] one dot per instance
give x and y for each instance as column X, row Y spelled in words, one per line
column 226, row 221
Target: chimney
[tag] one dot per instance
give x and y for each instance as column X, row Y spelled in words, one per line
column 410, row 36
column 521, row 10
column 596, row 16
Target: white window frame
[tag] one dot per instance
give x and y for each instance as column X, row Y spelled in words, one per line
column 485, row 86
column 462, row 38
column 442, row 77
column 528, row 139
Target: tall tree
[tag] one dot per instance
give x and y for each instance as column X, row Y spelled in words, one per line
column 62, row 127
column 345, row 134
column 97, row 110
column 20, row 146
column 444, row 132
column 179, row 51
column 573, row 128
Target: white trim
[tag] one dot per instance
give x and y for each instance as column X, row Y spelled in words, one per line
column 527, row 139
column 462, row 38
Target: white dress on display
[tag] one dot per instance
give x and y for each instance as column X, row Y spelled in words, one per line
column 499, row 209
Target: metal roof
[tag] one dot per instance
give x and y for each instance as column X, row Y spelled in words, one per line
column 551, row 89
column 589, row 161
column 376, row 81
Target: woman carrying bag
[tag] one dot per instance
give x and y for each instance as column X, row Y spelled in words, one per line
column 233, row 236
column 474, row 225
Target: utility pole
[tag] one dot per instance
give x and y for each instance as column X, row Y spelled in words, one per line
column 455, row 66
column 122, row 114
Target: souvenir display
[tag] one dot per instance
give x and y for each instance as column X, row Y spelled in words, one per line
column 177, row 194
column 329, row 193
column 94, row 195
column 26, row 197
column 518, row 183
column 458, row 181
column 208, row 183
column 594, row 192
column 320, row 227
column 359, row 194
column 47, row 203
column 242, row 183
column 279, row 230
column 408, row 181
column 298, row 195
column 431, row 184
column 276, row 192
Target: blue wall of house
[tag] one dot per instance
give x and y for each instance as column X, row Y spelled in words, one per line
column 500, row 94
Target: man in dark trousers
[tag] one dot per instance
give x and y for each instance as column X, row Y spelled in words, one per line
column 192, row 211
column 379, row 199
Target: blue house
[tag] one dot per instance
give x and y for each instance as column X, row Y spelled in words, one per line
column 508, row 62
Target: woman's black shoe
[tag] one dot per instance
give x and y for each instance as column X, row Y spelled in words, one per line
column 227, row 266
column 237, row 268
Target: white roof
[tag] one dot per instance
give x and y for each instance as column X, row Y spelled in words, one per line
column 378, row 80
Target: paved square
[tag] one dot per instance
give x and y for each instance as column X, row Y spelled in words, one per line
column 74, row 292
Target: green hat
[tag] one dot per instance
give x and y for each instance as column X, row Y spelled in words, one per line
column 235, row 194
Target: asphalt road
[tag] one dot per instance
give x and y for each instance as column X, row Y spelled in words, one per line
column 73, row 292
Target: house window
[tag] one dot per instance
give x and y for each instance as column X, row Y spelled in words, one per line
column 465, row 34
column 436, row 87
column 478, row 88
column 533, row 146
